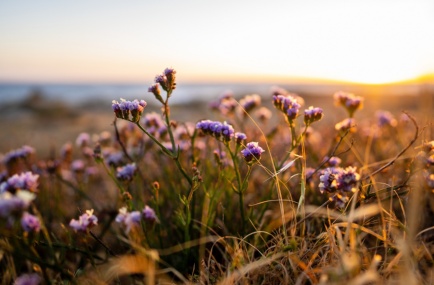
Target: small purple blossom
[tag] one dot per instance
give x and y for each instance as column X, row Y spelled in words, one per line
column 385, row 118
column 149, row 215
column 348, row 124
column 78, row 165
column 84, row 222
column 14, row 204
column 334, row 161
column 82, row 140
column 249, row 102
column 288, row 105
column 114, row 158
column 348, row 179
column 263, row 114
column 312, row 115
column 126, row 172
column 349, row 101
column 240, row 138
column 222, row 131
column 28, row 279
column 30, row 223
column 252, row 152
column 155, row 89
column 23, row 152
column 328, row 181
column 25, row 181
column 128, row 219
column 129, row 110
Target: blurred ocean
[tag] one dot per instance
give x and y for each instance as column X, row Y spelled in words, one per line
column 184, row 93
column 81, row 93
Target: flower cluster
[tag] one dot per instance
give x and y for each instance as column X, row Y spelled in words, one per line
column 24, row 181
column 426, row 157
column 84, row 222
column 126, row 173
column 385, row 118
column 339, row 182
column 226, row 103
column 312, row 115
column 132, row 219
column 23, row 152
column 222, row 131
column 252, row 152
column 249, row 102
column 30, row 223
column 288, row 105
column 129, row 110
column 28, row 279
column 349, row 101
column 14, row 204
column 167, row 81
column 348, row 124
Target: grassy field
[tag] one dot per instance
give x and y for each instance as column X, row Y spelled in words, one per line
column 241, row 191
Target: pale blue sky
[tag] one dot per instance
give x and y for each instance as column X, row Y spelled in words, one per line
column 126, row 41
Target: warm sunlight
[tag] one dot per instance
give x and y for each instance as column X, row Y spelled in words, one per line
column 365, row 42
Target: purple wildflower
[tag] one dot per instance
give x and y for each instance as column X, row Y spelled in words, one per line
column 249, row 102
column 128, row 219
column 348, row 179
column 155, row 89
column 349, row 101
column 170, row 74
column 263, row 114
column 328, row 181
column 84, row 222
column 28, row 279
column 288, row 105
column 346, row 125
column 312, row 115
column 115, row 158
column 126, row 172
column 24, row 181
column 78, row 165
column 124, row 109
column 252, row 152
column 30, row 223
column 334, row 161
column 82, row 140
column 222, row 131
column 22, row 152
column 149, row 215
column 385, row 118
column 10, row 204
column 240, row 138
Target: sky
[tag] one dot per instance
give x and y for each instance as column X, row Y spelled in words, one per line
column 216, row 41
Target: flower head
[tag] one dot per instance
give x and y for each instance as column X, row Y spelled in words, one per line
column 22, row 152
column 128, row 219
column 349, row 101
column 84, row 222
column 30, row 223
column 312, row 115
column 129, row 110
column 149, row 215
column 288, row 105
column 24, row 181
column 155, row 89
column 28, row 279
column 222, row 131
column 252, row 152
column 126, row 172
column 385, row 118
column 240, row 138
column 249, row 102
column 348, row 124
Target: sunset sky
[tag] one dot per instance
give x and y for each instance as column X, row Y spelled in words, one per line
column 216, row 41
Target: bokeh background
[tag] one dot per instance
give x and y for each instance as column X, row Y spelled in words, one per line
column 61, row 63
